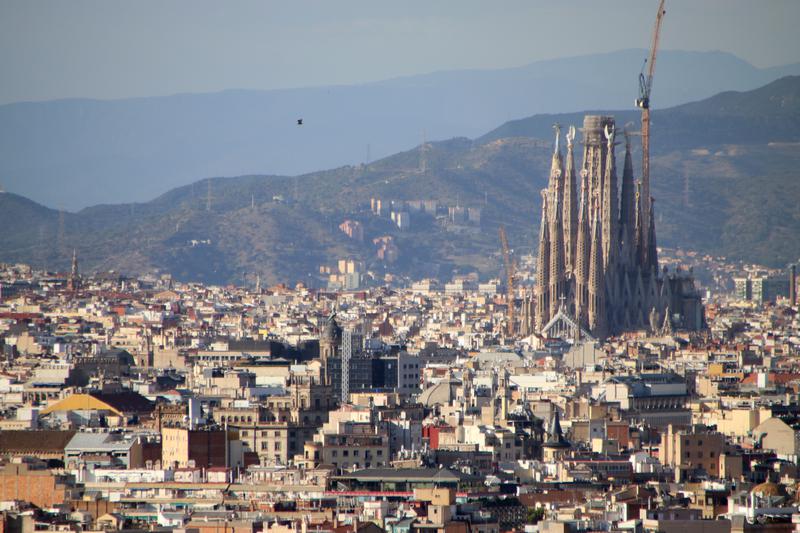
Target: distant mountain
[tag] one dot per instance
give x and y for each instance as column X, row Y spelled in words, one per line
column 725, row 179
column 74, row 153
column 768, row 113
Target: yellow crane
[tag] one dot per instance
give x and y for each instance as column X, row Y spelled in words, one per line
column 643, row 102
column 510, row 268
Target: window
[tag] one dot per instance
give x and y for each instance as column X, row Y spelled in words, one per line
column 334, row 453
column 355, row 453
column 700, row 442
column 700, row 455
column 346, row 453
column 244, row 433
column 686, row 442
column 380, row 452
column 277, row 433
column 711, row 454
column 277, row 445
column 687, row 455
column 264, row 445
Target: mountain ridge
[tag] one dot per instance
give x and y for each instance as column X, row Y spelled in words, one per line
column 99, row 151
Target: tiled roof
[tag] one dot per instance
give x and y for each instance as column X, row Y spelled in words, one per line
column 19, row 442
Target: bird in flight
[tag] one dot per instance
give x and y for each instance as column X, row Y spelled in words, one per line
column 299, row 121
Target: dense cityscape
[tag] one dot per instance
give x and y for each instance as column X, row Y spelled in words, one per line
column 146, row 403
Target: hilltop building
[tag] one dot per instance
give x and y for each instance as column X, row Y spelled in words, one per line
column 598, row 261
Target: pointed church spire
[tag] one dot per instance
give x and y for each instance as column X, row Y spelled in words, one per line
column 555, row 435
column 557, row 274
column 556, row 185
column 638, row 231
column 543, row 270
column 557, row 163
column 582, row 249
column 652, row 251
column 570, row 205
column 609, row 202
column 627, row 215
column 597, row 285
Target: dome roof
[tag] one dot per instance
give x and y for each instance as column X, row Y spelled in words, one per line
column 768, row 488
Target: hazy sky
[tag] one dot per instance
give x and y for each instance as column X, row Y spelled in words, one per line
column 114, row 49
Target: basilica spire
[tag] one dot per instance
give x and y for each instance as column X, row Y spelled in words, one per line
column 556, row 185
column 570, row 209
column 652, row 251
column 557, row 273
column 609, row 207
column 627, row 215
column 582, row 248
column 543, row 269
column 597, row 286
column 638, row 232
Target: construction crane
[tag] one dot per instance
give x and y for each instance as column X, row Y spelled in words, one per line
column 509, row 281
column 643, row 102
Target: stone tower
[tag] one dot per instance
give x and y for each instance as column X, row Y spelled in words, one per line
column 543, row 270
column 330, row 339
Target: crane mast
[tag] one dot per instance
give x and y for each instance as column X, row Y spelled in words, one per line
column 509, row 266
column 643, row 102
